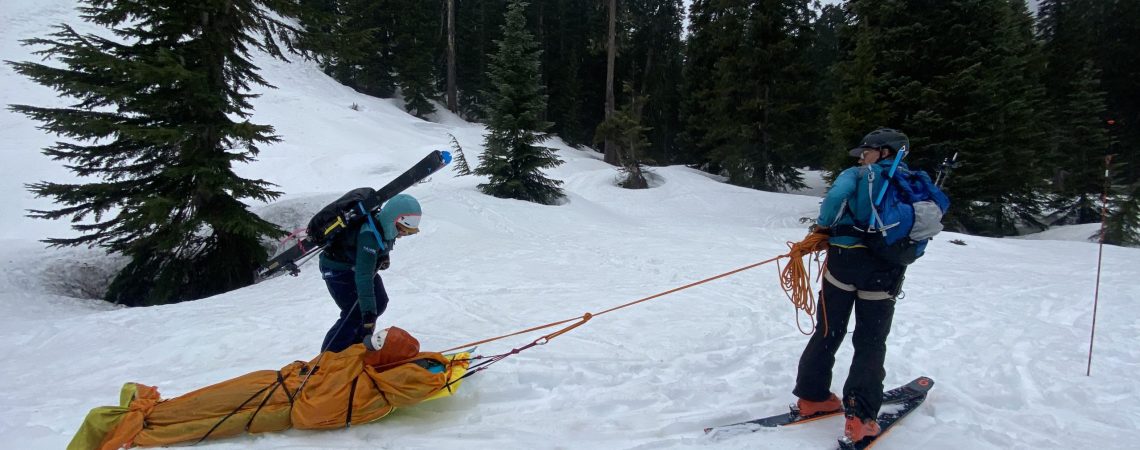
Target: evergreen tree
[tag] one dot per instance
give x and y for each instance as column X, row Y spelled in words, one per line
column 748, row 117
column 624, row 130
column 573, row 62
column 1118, row 56
column 857, row 110
column 416, row 45
column 652, row 60
column 1076, row 32
column 351, row 41
column 823, row 55
column 478, row 26
column 461, row 166
column 701, row 53
column 512, row 159
column 1079, row 142
column 154, row 131
column 1123, row 224
column 1008, row 103
column 1077, row 134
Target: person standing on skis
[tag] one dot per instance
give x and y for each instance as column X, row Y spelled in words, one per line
column 349, row 267
column 854, row 279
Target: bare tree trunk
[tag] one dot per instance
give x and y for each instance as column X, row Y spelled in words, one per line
column 452, row 102
column 542, row 44
column 610, row 155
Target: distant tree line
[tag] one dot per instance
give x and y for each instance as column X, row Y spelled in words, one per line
column 755, row 89
column 752, row 90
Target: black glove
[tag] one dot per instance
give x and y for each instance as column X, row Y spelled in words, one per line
column 817, row 228
column 385, row 261
column 368, row 325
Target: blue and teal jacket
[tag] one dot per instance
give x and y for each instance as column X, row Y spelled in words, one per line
column 364, row 262
column 850, row 198
column 363, row 252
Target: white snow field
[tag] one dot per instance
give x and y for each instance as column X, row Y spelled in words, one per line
column 1002, row 325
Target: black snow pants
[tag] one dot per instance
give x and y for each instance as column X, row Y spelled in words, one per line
column 854, row 279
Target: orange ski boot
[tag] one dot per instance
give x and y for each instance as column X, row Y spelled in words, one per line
column 857, row 429
column 808, row 408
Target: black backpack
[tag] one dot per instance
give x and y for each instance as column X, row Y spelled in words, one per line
column 335, row 226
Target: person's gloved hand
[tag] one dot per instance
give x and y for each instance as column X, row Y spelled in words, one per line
column 817, row 228
column 367, row 328
column 385, row 261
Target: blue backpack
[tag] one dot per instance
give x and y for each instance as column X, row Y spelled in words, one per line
column 907, row 214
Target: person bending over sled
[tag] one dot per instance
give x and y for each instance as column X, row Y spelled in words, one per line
column 349, row 267
column 854, row 278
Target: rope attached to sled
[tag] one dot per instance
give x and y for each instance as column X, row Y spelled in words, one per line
column 795, row 279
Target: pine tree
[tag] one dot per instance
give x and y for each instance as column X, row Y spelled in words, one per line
column 416, row 44
column 702, row 50
column 154, row 136
column 1118, row 56
column 857, row 110
column 625, row 131
column 748, row 117
column 573, row 63
column 1079, row 142
column 479, row 24
column 461, row 166
column 1077, row 133
column 512, row 159
column 1123, row 224
column 350, row 40
column 825, row 51
column 1009, row 101
column 652, row 59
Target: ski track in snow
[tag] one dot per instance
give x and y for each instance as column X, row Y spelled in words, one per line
column 1002, row 325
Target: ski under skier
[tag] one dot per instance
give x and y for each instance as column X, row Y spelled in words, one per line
column 350, row 265
column 854, row 279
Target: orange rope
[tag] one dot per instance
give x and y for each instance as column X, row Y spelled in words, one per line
column 586, row 317
column 795, row 278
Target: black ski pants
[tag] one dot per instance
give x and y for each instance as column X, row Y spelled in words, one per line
column 348, row 328
column 855, row 280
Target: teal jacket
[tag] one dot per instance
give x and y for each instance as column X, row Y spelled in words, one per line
column 365, row 263
column 849, row 200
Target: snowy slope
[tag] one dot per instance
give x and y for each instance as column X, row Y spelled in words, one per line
column 1002, row 325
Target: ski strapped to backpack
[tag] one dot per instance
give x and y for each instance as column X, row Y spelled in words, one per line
column 906, row 214
column 347, row 212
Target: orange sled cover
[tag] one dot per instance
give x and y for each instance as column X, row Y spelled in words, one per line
column 352, row 387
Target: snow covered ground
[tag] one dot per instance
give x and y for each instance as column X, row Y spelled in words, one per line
column 1002, row 325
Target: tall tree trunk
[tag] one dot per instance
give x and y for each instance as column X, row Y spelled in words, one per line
column 452, row 103
column 611, row 155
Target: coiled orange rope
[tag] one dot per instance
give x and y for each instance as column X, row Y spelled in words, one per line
column 795, row 278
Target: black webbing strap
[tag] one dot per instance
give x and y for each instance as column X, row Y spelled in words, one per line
column 215, row 427
column 351, row 394
column 281, row 380
column 263, row 402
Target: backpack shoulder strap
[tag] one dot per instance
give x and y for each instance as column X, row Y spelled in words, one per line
column 373, row 227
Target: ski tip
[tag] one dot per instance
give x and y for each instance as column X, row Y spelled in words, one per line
column 446, row 155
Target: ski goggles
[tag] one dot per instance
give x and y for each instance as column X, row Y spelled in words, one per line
column 408, row 224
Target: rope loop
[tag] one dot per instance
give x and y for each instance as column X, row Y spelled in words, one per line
column 795, row 278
